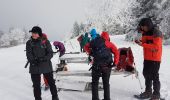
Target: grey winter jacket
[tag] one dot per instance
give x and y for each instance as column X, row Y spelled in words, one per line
column 39, row 53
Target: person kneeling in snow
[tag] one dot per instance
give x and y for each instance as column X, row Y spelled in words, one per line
column 39, row 54
column 101, row 49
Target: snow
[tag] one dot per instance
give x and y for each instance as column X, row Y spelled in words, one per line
column 16, row 82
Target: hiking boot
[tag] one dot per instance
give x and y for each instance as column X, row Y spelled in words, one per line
column 155, row 97
column 55, row 98
column 145, row 95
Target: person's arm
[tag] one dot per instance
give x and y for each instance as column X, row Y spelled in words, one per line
column 157, row 42
column 114, row 50
column 29, row 52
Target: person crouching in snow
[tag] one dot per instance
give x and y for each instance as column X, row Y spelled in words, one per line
column 152, row 48
column 39, row 55
column 101, row 49
column 61, row 49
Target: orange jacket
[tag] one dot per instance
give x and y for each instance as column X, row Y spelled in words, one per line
column 108, row 44
column 152, row 45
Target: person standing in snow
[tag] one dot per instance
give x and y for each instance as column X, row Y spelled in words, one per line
column 39, row 54
column 101, row 49
column 152, row 48
column 85, row 40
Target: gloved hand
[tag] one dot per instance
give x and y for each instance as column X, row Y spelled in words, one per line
column 34, row 62
column 138, row 42
column 112, row 65
column 89, row 59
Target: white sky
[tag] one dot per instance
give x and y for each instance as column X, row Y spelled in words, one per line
column 56, row 17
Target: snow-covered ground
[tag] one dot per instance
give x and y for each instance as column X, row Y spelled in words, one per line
column 15, row 81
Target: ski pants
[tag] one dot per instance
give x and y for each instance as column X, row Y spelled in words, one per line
column 36, row 79
column 151, row 75
column 95, row 82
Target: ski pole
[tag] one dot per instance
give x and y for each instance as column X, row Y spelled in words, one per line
column 139, row 82
column 26, row 64
column 137, row 76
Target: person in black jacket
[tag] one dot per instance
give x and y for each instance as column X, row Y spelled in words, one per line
column 39, row 53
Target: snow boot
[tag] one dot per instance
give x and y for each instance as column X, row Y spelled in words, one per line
column 155, row 97
column 55, row 98
column 145, row 95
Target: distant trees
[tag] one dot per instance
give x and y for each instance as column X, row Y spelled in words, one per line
column 14, row 37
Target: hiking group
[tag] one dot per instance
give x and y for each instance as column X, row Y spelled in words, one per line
column 100, row 50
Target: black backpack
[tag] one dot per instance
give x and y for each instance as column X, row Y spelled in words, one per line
column 102, row 55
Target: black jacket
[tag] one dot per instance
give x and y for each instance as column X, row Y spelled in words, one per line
column 39, row 53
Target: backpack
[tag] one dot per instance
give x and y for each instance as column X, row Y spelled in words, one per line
column 102, row 55
column 80, row 38
column 126, row 60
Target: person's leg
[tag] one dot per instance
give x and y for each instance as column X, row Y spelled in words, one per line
column 147, row 70
column 156, row 82
column 95, row 83
column 45, row 81
column 53, row 88
column 81, row 48
column 36, row 85
column 106, row 85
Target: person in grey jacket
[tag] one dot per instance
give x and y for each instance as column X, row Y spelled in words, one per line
column 39, row 53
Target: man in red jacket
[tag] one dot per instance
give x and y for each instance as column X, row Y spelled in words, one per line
column 152, row 48
column 101, row 49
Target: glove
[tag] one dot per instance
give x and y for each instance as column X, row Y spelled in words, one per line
column 34, row 62
column 136, row 41
column 112, row 65
column 89, row 59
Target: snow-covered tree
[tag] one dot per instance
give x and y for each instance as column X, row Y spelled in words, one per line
column 112, row 16
column 14, row 37
column 1, row 33
column 76, row 29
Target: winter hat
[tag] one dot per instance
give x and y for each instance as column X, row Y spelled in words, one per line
column 93, row 34
column 86, row 34
column 146, row 22
column 36, row 29
column 105, row 36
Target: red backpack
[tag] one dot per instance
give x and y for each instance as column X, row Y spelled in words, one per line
column 44, row 38
column 80, row 38
column 126, row 60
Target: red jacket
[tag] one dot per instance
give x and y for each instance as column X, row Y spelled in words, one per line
column 152, row 45
column 108, row 44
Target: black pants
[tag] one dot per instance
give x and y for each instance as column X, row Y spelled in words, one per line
column 36, row 79
column 151, row 75
column 81, row 48
column 96, row 74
